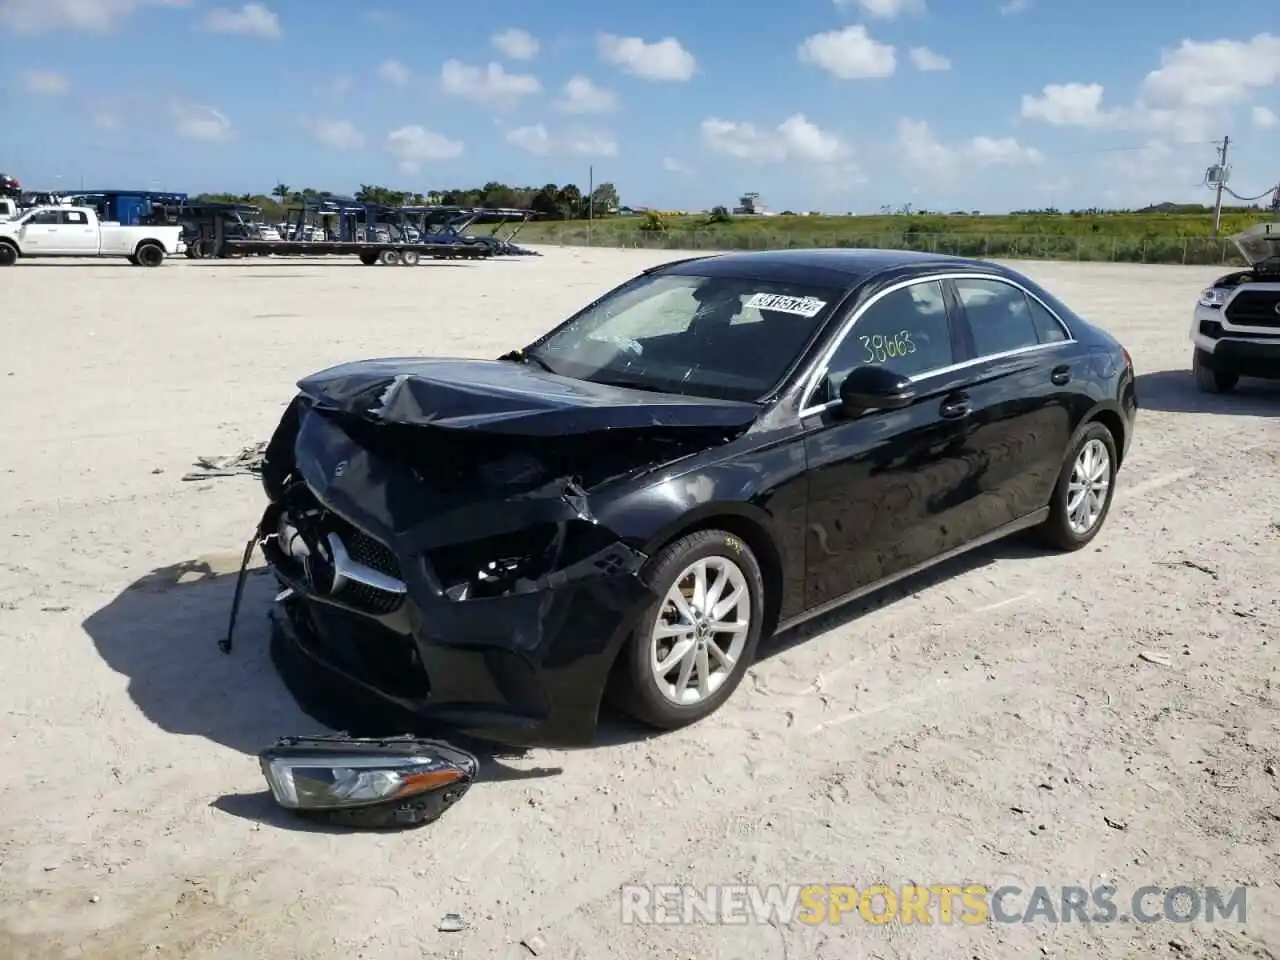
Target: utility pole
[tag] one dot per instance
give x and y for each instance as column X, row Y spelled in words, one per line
column 591, row 192
column 1222, row 176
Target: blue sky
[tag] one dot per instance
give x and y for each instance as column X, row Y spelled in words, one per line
column 817, row 104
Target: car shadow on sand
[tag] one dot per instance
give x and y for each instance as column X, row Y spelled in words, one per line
column 1175, row 391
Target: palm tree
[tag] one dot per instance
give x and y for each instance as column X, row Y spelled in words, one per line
column 282, row 192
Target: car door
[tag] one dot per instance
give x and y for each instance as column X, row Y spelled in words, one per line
column 76, row 236
column 1018, row 386
column 884, row 486
column 38, row 233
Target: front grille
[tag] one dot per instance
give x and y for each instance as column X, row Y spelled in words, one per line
column 372, row 553
column 1255, row 308
column 363, row 549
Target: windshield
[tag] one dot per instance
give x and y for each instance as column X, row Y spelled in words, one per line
column 718, row 337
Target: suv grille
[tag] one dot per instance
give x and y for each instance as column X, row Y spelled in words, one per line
column 1255, row 308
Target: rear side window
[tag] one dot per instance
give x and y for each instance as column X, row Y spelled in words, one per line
column 75, row 216
column 1048, row 328
column 999, row 316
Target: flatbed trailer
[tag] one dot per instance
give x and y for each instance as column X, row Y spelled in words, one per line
column 370, row 253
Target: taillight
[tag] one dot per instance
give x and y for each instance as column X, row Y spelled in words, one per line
column 1128, row 360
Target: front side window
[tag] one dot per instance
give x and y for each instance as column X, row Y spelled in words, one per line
column 44, row 218
column 999, row 315
column 705, row 336
column 906, row 331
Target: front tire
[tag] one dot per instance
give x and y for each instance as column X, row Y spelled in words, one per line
column 691, row 649
column 1209, row 380
column 1082, row 496
column 8, row 255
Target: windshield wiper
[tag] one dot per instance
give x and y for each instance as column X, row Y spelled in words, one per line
column 524, row 356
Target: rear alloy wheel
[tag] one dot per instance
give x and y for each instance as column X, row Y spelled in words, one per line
column 692, row 648
column 1082, row 496
column 1210, row 380
column 409, row 258
column 149, row 254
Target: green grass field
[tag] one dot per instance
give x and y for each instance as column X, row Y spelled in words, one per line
column 1123, row 237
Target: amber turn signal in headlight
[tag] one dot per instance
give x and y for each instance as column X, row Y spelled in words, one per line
column 369, row 782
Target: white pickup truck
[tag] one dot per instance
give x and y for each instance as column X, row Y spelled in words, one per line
column 77, row 232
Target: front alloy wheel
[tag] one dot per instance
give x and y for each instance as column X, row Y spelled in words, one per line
column 692, row 648
column 699, row 637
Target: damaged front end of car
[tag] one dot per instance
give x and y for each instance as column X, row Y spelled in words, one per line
column 434, row 539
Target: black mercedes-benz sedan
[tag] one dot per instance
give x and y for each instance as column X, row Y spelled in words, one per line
column 714, row 451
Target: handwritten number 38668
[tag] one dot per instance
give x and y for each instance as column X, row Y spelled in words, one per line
column 882, row 347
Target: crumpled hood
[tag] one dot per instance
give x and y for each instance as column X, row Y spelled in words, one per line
column 498, row 396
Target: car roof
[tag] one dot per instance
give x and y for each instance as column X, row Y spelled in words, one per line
column 838, row 266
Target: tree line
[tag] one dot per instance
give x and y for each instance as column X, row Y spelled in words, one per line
column 551, row 201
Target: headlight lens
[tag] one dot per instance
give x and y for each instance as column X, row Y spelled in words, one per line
column 1213, row 297
column 397, row 775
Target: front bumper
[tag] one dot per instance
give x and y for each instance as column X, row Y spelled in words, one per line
column 526, row 669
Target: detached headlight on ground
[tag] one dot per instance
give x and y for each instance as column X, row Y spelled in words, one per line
column 392, row 782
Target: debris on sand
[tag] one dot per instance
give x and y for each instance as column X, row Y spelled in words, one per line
column 248, row 462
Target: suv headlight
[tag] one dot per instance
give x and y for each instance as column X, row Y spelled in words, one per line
column 1214, row 297
column 391, row 782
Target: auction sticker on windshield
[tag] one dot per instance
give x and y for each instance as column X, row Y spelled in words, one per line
column 800, row 306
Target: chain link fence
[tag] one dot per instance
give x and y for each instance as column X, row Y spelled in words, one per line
column 1114, row 248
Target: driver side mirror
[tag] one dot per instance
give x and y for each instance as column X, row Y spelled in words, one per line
column 874, row 388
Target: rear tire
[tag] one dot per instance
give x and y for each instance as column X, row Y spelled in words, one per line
column 369, row 259
column 1209, row 380
column 149, row 254
column 1084, row 491
column 8, row 254
column 389, row 257
column 409, row 258
column 656, row 696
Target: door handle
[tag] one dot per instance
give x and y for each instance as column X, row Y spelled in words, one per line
column 954, row 406
column 1060, row 375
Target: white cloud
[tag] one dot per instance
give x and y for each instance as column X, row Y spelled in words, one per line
column 924, row 59
column 1068, row 105
column 45, row 83
column 1264, row 118
column 796, row 138
column 664, row 59
column 251, row 20
column 337, row 134
column 884, row 9
column 538, row 140
column 31, row 17
column 671, row 165
column 1191, row 92
column 395, row 72
column 849, row 54
column 922, row 150
column 515, row 44
column 197, row 122
column 491, row 84
column 414, row 145
column 581, row 95
column 1014, row 6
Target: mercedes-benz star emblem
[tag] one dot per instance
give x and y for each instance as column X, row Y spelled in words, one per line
column 340, row 469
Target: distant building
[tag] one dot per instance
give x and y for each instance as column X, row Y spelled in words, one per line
column 749, row 204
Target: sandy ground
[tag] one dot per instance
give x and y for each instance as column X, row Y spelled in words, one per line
column 980, row 723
